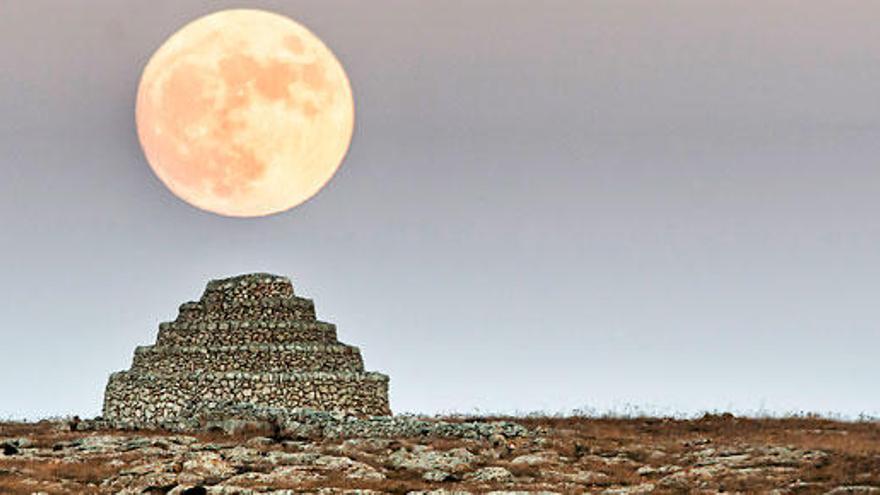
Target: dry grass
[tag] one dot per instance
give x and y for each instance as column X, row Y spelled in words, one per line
column 857, row 438
column 14, row 485
column 29, row 476
column 90, row 471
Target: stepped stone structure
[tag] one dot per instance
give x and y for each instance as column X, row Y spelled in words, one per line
column 248, row 340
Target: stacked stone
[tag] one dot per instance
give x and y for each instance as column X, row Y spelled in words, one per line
column 248, row 340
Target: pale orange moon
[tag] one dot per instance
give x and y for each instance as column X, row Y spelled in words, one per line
column 244, row 113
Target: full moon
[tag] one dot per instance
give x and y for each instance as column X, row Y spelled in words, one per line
column 244, row 113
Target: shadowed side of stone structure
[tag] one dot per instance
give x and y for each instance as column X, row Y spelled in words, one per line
column 248, row 340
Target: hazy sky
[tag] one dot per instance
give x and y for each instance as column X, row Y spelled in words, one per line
column 546, row 205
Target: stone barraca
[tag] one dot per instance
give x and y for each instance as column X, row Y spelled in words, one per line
column 248, row 340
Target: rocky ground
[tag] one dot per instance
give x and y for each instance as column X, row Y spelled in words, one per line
column 714, row 454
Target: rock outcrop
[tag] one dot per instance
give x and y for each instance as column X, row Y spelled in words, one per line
column 609, row 456
column 248, row 340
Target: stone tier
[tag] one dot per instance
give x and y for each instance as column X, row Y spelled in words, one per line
column 145, row 398
column 264, row 308
column 247, row 287
column 250, row 358
column 244, row 332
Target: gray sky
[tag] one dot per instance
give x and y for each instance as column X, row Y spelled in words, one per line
column 546, row 205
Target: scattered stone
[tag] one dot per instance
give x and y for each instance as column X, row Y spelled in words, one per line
column 662, row 470
column 535, row 459
column 437, row 476
column 352, row 469
column 587, row 478
column 630, row 490
column 205, row 468
column 423, row 458
column 492, row 474
column 260, row 442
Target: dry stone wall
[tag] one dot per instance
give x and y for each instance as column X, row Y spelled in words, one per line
column 248, row 340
